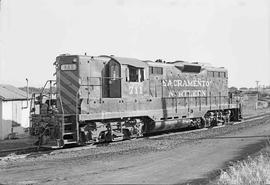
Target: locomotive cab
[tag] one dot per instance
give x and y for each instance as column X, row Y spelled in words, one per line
column 134, row 77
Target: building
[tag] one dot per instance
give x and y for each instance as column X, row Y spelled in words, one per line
column 14, row 111
column 250, row 100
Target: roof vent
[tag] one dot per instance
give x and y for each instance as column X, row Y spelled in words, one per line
column 160, row 61
column 178, row 61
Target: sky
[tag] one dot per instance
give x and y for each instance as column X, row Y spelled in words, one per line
column 234, row 34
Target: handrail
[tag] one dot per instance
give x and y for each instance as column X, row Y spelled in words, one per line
column 63, row 116
column 100, row 78
column 77, row 115
column 46, row 85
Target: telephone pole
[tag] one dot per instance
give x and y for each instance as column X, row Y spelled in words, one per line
column 257, row 85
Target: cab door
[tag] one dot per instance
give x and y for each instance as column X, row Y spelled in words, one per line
column 114, row 79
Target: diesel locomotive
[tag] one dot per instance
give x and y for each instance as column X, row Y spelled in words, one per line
column 108, row 98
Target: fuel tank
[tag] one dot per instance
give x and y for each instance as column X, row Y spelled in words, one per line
column 165, row 125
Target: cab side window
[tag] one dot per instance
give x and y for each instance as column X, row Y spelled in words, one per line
column 156, row 70
column 210, row 74
column 141, row 71
column 135, row 74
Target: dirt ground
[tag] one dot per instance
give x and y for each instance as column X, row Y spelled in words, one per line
column 191, row 161
column 252, row 112
column 23, row 142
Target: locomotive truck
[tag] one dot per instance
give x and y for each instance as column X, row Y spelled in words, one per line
column 107, row 98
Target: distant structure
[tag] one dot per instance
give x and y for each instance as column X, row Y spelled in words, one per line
column 14, row 111
column 257, row 85
column 250, row 100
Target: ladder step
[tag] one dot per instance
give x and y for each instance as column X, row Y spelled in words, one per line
column 66, row 142
column 69, row 133
column 68, row 123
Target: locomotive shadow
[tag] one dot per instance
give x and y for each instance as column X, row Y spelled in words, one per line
column 164, row 133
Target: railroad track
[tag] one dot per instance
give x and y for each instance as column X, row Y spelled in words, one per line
column 36, row 149
column 25, row 150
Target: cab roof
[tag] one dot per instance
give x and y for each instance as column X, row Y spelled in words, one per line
column 145, row 63
column 129, row 61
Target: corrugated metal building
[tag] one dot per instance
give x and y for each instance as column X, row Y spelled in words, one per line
column 14, row 113
column 250, row 100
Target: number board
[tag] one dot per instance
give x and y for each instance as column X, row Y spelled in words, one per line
column 68, row 67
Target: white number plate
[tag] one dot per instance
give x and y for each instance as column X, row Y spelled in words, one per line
column 68, row 67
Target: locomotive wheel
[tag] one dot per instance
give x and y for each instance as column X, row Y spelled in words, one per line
column 200, row 123
column 82, row 137
column 214, row 123
column 105, row 137
column 108, row 137
column 127, row 134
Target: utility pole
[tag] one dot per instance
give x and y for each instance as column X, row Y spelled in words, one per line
column 257, row 84
column 27, row 94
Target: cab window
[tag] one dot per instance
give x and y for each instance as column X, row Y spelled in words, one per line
column 134, row 74
column 210, row 73
column 156, row 70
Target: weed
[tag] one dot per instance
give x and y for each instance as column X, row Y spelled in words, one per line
column 252, row 171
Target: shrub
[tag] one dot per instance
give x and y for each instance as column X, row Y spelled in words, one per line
column 253, row 171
